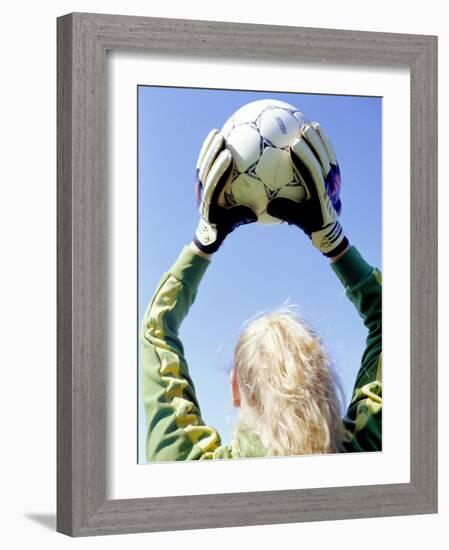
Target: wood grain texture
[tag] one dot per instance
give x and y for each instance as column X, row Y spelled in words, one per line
column 64, row 276
column 83, row 40
column 423, row 273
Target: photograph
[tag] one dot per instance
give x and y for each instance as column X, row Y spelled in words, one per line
column 259, row 328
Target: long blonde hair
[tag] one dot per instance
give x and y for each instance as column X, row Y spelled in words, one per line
column 290, row 397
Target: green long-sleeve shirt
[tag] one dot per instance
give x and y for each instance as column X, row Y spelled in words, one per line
column 175, row 428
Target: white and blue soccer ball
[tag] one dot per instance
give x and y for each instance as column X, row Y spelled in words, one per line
column 258, row 136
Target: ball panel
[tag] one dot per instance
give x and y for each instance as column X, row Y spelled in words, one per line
column 300, row 118
column 251, row 111
column 250, row 192
column 266, row 219
column 275, row 168
column 225, row 198
column 276, row 103
column 244, row 144
column 293, row 191
column 279, row 126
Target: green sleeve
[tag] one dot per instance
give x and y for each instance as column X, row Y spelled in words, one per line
column 363, row 420
column 175, row 429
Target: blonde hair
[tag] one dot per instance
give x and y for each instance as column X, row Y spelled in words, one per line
column 290, row 397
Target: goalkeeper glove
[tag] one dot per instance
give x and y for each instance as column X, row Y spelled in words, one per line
column 213, row 173
column 316, row 167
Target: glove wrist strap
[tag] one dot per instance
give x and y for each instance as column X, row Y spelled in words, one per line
column 330, row 240
column 206, row 237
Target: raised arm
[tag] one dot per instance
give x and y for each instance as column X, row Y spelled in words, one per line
column 315, row 165
column 363, row 285
column 175, row 428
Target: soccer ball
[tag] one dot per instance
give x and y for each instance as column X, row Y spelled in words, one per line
column 258, row 136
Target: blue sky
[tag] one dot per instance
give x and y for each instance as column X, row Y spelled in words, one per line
column 259, row 267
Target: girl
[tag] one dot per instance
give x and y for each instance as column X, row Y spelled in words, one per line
column 280, row 381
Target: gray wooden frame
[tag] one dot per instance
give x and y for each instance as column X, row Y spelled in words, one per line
column 83, row 40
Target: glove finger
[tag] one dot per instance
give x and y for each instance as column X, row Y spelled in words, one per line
column 307, row 167
column 198, row 185
column 315, row 142
column 214, row 147
column 284, row 209
column 327, row 143
column 216, row 179
column 205, row 147
column 240, row 215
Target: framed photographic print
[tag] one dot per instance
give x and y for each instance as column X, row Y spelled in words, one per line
column 268, row 267
column 246, row 274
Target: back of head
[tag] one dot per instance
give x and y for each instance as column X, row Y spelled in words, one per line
column 289, row 395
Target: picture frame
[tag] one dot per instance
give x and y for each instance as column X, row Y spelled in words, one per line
column 83, row 41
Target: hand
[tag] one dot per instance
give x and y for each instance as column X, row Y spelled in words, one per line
column 316, row 167
column 213, row 172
